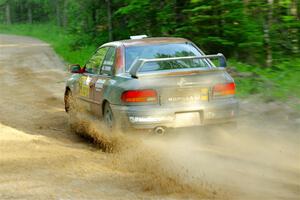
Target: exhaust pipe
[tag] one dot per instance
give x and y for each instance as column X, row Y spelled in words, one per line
column 159, row 130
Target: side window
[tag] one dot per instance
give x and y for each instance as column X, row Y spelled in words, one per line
column 107, row 66
column 93, row 65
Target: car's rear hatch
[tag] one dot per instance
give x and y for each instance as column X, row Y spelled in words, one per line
column 187, row 89
column 182, row 80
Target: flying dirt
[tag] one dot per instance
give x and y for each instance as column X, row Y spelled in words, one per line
column 42, row 158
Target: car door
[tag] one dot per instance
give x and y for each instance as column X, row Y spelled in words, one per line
column 87, row 80
column 99, row 85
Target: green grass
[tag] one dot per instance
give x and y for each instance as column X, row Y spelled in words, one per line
column 281, row 82
column 62, row 42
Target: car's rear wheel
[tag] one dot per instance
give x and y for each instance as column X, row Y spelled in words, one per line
column 70, row 109
column 108, row 117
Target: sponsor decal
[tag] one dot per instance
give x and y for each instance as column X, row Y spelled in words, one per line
column 84, row 87
column 108, row 62
column 184, row 82
column 99, row 84
column 112, row 81
column 181, row 83
column 202, row 96
column 106, row 68
column 186, row 99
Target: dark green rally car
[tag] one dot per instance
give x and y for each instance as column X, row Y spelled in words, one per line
column 153, row 83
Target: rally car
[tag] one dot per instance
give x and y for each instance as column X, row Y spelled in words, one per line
column 154, row 84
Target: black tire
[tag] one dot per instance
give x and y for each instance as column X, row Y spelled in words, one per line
column 108, row 117
column 69, row 108
column 68, row 99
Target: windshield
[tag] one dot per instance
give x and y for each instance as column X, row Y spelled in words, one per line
column 134, row 53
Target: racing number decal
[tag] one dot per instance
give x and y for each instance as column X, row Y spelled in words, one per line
column 84, row 88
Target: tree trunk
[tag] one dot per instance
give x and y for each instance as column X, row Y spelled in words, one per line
column 298, row 9
column 109, row 20
column 7, row 13
column 23, row 9
column 178, row 11
column 294, row 31
column 267, row 37
column 245, row 10
column 29, row 12
column 65, row 14
column 58, row 14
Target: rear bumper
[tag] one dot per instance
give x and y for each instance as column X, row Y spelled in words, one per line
column 149, row 117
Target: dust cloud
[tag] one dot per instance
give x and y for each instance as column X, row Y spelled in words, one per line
column 253, row 161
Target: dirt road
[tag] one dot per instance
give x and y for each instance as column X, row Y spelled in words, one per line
column 40, row 158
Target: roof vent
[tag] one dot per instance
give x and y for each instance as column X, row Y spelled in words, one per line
column 136, row 37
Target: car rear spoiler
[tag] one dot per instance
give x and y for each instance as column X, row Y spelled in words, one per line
column 137, row 65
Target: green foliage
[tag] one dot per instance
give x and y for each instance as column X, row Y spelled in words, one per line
column 281, row 82
column 251, row 32
column 234, row 27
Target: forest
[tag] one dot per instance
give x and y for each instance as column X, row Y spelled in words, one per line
column 260, row 33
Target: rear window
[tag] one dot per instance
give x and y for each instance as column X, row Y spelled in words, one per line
column 134, row 53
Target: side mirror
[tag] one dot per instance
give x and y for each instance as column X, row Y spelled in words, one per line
column 76, row 69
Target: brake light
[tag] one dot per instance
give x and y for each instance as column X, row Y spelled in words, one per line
column 224, row 89
column 139, row 96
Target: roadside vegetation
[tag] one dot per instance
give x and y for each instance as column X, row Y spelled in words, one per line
column 260, row 38
column 280, row 82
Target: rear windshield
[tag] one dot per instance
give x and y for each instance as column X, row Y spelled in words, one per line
column 164, row 51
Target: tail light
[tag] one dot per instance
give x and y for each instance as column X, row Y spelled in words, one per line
column 139, row 96
column 224, row 89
